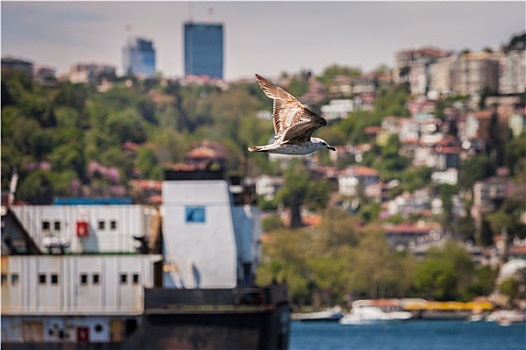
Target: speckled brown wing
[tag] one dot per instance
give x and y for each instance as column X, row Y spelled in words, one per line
column 302, row 131
column 293, row 122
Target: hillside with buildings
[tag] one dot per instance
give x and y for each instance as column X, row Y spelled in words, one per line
column 429, row 152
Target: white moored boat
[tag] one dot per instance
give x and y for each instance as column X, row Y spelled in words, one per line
column 330, row 314
column 363, row 312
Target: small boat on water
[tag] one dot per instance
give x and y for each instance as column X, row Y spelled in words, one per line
column 331, row 314
column 506, row 317
column 364, row 312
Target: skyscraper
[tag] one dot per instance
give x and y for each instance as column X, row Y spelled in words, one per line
column 203, row 49
column 139, row 58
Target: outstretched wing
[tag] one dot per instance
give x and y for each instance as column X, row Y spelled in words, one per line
column 302, row 130
column 292, row 120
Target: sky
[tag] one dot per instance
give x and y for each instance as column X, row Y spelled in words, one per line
column 259, row 37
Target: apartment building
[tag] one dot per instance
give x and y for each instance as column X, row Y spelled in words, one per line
column 513, row 72
column 434, row 75
column 406, row 59
column 474, row 73
column 440, row 78
column 11, row 63
column 88, row 72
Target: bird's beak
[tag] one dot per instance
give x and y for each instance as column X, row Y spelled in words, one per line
column 331, row 148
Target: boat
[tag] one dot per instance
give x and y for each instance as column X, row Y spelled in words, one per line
column 448, row 310
column 364, row 312
column 332, row 314
column 105, row 274
column 506, row 317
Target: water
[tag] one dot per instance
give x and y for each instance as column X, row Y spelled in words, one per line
column 409, row 335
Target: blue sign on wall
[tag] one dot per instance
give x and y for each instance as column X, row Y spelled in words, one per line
column 195, row 214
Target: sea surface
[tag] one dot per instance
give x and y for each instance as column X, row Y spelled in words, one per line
column 408, row 335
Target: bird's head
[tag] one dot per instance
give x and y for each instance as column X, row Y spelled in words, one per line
column 322, row 143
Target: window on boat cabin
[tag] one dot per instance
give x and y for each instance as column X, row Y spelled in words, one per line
column 124, row 278
column 42, row 278
column 83, row 278
column 95, row 278
column 102, row 225
column 54, row 278
column 113, row 225
column 135, row 278
column 56, row 225
column 46, row 225
column 14, row 279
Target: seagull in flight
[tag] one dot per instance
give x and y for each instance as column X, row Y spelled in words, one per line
column 293, row 124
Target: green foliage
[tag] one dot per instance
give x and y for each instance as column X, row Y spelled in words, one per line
column 499, row 133
column 415, row 178
column 335, row 70
column 73, row 96
column 382, row 272
column 446, row 193
column 146, row 161
column 298, row 87
column 510, row 288
column 391, row 164
column 272, row 223
column 445, row 274
column 70, row 125
column 436, row 279
column 36, row 188
column 340, row 256
column 475, row 168
column 126, row 126
column 301, row 188
column 391, row 101
column 515, row 155
column 464, row 229
column 369, row 213
column 483, row 282
column 352, row 128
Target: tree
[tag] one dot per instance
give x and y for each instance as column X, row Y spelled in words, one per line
column 72, row 95
column 36, row 188
column 284, row 262
column 391, row 164
column 300, row 188
column 379, row 271
column 415, row 178
column 126, row 126
column 391, row 101
column 498, row 135
column 475, row 168
column 272, row 223
column 445, row 274
column 68, row 157
column 515, row 154
column 334, row 70
column 464, row 228
column 145, row 161
column 436, row 279
column 446, row 193
column 294, row 191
